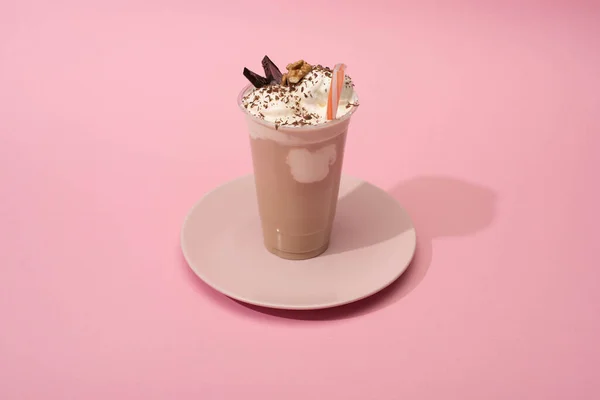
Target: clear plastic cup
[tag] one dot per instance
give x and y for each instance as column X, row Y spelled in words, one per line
column 297, row 172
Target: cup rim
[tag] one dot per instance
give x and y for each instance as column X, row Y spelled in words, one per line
column 290, row 127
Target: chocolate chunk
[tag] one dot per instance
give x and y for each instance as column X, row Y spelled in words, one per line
column 255, row 79
column 272, row 73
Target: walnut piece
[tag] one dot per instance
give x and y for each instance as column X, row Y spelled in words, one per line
column 296, row 71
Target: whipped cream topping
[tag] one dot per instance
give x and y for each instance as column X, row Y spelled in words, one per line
column 302, row 104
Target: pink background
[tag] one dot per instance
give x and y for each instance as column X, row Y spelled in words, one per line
column 481, row 118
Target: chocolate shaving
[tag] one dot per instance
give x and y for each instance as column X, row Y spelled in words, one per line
column 272, row 73
column 255, row 79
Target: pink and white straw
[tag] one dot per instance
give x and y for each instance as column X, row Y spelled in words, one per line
column 335, row 90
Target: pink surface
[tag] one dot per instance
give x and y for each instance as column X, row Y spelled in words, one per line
column 116, row 117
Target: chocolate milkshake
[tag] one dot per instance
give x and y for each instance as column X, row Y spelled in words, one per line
column 297, row 153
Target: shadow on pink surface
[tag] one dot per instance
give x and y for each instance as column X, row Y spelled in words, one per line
column 439, row 207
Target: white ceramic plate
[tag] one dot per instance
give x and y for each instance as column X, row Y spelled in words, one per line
column 372, row 244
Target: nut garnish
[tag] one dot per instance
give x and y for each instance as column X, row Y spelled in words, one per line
column 296, row 71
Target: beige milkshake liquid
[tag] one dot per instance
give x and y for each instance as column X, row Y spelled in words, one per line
column 297, row 159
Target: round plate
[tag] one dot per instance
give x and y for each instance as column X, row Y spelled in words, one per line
column 372, row 244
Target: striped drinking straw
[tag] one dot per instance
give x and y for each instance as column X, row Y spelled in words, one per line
column 335, row 90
